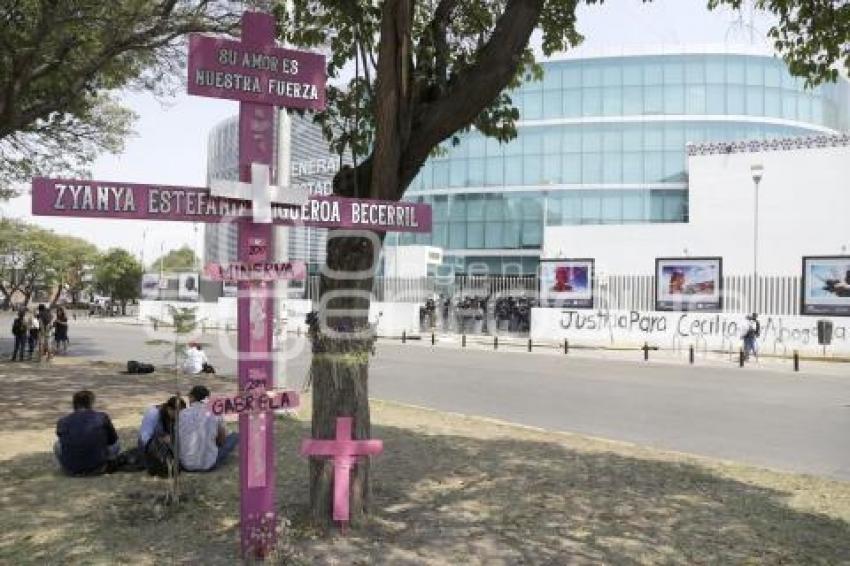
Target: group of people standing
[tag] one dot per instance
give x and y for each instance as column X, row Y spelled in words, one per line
column 170, row 432
column 33, row 330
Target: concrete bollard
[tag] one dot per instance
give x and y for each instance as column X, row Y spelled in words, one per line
column 529, row 344
column 741, row 357
column 796, row 360
column 463, row 341
column 403, row 336
column 495, row 342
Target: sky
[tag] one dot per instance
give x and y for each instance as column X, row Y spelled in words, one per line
column 170, row 140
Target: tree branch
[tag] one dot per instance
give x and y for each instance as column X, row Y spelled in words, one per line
column 496, row 64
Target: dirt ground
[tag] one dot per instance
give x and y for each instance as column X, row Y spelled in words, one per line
column 448, row 489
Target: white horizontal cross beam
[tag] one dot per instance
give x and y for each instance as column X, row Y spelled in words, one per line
column 261, row 194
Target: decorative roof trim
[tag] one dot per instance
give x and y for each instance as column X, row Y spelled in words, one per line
column 778, row 144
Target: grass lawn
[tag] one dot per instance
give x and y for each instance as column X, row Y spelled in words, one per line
column 448, row 489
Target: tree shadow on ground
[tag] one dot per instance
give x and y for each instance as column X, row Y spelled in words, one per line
column 33, row 395
column 448, row 499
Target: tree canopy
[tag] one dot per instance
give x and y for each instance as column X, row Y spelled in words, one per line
column 33, row 259
column 812, row 35
column 62, row 61
column 119, row 275
column 179, row 260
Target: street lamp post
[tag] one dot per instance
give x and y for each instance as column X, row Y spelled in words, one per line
column 757, row 171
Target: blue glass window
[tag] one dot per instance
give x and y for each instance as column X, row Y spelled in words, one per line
column 695, row 97
column 510, row 234
column 612, row 207
column 715, row 99
column 552, row 105
column 532, row 170
column 653, row 100
column 715, row 71
column 694, row 71
column 457, row 235
column 591, row 74
column 572, row 103
column 457, row 173
column 476, row 176
column 571, row 168
column 633, row 206
column 612, row 75
column 735, row 100
column 674, row 73
column 475, row 235
column 653, row 74
column 532, row 106
column 612, row 101
column 591, row 207
column 592, row 102
column 735, row 70
column 633, row 167
column 551, row 169
column 441, row 173
column 513, row 170
column 674, row 99
column 612, row 167
column 591, row 167
column 633, row 74
column 755, row 100
column 632, row 100
column 495, row 171
column 551, row 77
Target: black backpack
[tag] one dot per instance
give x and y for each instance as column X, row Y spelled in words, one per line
column 134, row 367
column 159, row 457
column 18, row 328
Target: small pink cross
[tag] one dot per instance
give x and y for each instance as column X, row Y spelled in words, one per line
column 344, row 451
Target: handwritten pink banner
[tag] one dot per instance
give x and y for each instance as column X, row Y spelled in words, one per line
column 252, row 402
column 256, row 271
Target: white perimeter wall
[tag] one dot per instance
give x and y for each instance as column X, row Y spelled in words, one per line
column 804, row 209
column 394, row 318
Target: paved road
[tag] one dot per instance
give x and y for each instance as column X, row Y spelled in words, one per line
column 797, row 422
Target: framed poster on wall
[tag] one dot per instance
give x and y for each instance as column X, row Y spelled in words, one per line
column 150, row 286
column 188, row 289
column 826, row 285
column 566, row 283
column 689, row 284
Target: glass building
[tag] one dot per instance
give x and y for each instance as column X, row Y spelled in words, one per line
column 602, row 140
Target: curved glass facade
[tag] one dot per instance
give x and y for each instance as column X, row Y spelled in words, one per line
column 602, row 141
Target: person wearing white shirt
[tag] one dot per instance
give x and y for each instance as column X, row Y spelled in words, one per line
column 204, row 442
column 196, row 360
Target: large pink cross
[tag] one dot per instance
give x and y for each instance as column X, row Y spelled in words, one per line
column 345, row 452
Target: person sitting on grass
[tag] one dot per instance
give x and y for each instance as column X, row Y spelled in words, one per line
column 196, row 360
column 204, row 442
column 87, row 443
column 155, row 436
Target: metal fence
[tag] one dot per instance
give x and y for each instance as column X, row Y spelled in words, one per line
column 770, row 295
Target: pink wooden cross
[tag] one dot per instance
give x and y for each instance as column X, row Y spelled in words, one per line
column 344, row 451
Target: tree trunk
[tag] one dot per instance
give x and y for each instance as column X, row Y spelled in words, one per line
column 123, row 308
column 342, row 340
